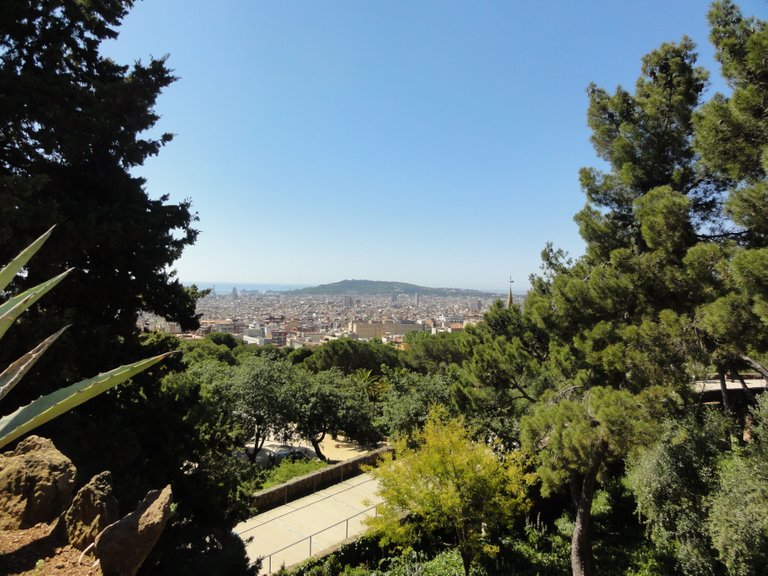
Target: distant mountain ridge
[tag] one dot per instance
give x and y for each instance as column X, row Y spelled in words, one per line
column 383, row 288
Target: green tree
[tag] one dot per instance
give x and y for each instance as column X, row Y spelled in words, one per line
column 599, row 332
column 501, row 375
column 672, row 481
column 738, row 504
column 646, row 139
column 313, row 403
column 200, row 454
column 732, row 140
column 575, row 439
column 409, row 397
column 258, row 390
column 174, row 425
column 730, row 130
column 349, row 355
column 433, row 353
column 673, row 282
column 329, row 402
column 449, row 484
column 206, row 349
column 223, row 339
column 737, row 516
column 74, row 127
column 298, row 355
column 361, row 407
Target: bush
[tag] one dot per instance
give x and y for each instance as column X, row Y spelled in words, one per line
column 289, row 469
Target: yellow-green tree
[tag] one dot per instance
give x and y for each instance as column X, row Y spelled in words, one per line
column 441, row 482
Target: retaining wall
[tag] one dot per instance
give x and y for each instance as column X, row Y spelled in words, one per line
column 314, row 481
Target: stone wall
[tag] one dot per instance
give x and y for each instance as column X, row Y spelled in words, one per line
column 314, row 481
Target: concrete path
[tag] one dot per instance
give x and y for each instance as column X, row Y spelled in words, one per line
column 294, row 532
column 754, row 384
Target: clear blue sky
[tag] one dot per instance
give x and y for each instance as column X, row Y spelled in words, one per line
column 434, row 142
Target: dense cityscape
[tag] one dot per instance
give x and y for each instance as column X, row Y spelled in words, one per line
column 295, row 319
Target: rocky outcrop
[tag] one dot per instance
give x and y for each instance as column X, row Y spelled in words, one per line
column 92, row 510
column 36, row 483
column 123, row 546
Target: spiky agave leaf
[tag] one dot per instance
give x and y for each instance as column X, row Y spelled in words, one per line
column 11, row 375
column 56, row 403
column 12, row 268
column 11, row 309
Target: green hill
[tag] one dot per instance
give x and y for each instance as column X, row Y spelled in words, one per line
column 380, row 288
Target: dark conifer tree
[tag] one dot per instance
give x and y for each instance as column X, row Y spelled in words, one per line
column 73, row 126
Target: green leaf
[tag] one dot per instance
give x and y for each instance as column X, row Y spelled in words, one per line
column 56, row 403
column 13, row 308
column 14, row 373
column 12, row 268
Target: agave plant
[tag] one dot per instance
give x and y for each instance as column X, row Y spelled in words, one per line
column 50, row 405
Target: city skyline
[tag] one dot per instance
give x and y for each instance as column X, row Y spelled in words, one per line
column 224, row 287
column 435, row 143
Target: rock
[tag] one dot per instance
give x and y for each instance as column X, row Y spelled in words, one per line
column 93, row 509
column 36, row 482
column 123, row 546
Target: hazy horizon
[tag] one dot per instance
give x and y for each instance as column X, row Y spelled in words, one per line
column 225, row 287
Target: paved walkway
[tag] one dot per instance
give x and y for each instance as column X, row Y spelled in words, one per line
column 754, row 384
column 294, row 532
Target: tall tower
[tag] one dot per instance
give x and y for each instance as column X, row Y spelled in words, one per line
column 509, row 296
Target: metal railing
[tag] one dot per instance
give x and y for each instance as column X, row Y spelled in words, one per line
column 346, row 536
column 307, row 505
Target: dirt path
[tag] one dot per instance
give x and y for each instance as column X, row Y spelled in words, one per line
column 335, row 450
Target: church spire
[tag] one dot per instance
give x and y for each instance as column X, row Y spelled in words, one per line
column 509, row 296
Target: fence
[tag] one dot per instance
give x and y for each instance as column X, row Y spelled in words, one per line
column 345, row 522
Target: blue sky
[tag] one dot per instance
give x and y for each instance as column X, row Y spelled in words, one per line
column 432, row 142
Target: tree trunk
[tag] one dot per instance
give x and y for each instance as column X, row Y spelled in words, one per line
column 755, row 365
column 466, row 560
column 316, row 445
column 747, row 391
column 582, row 491
column 258, row 444
column 724, row 390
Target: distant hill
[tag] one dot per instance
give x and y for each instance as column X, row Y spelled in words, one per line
column 380, row 288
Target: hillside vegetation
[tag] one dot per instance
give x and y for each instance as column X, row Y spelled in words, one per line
column 382, row 288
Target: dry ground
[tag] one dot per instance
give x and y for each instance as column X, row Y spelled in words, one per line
column 36, row 552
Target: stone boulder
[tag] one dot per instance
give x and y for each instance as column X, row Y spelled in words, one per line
column 36, row 483
column 123, row 546
column 93, row 509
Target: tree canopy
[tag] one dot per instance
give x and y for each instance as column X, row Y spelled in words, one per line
column 672, row 282
column 73, row 126
column 448, row 483
column 349, row 355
